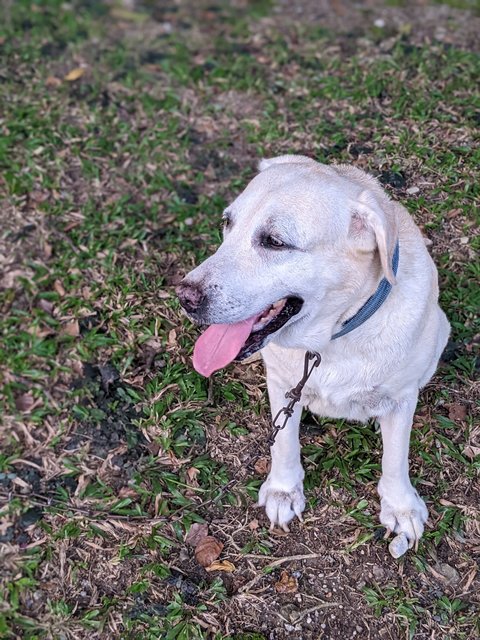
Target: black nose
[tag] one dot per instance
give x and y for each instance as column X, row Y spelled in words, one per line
column 190, row 296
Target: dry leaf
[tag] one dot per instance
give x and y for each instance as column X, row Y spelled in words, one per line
column 471, row 452
column 74, row 74
column 253, row 525
column 5, row 524
column 127, row 492
column 262, row 466
column 71, row 328
column 41, row 333
column 221, row 565
column 453, row 213
column 46, row 306
column 457, row 411
column 18, row 482
column 208, row 550
column 192, row 474
column 196, row 533
column 58, row 286
column 286, row 584
column 71, row 225
column 9, row 279
column 24, row 402
column 47, row 250
column 52, row 81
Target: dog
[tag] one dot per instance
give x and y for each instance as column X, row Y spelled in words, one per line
column 307, row 250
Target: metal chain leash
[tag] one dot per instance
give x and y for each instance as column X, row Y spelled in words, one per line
column 294, row 394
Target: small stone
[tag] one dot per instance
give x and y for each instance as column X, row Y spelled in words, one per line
column 449, row 573
column 398, row 546
column 189, row 222
column 379, row 22
column 412, row 190
column 378, row 572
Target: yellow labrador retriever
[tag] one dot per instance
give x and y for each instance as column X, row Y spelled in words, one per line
column 318, row 258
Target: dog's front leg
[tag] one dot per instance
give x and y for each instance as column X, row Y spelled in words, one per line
column 402, row 509
column 282, row 492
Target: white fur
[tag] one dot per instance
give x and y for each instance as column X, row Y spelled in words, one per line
column 344, row 229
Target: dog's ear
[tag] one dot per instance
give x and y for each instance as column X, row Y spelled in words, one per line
column 373, row 224
column 287, row 159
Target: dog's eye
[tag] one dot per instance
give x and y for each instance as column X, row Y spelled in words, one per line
column 271, row 242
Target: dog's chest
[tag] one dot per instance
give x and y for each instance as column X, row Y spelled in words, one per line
column 345, row 394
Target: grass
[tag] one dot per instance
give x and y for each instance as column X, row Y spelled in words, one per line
column 112, row 446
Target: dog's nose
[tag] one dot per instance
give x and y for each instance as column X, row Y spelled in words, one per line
column 190, row 296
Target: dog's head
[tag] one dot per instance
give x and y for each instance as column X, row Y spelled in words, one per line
column 299, row 244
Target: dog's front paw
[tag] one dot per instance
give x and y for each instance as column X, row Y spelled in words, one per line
column 403, row 511
column 281, row 503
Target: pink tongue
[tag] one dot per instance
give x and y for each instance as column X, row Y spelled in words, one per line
column 219, row 345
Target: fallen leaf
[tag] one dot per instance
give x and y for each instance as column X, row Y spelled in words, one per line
column 47, row 250
column 18, row 482
column 71, row 225
column 24, row 403
column 41, row 333
column 192, row 474
column 46, row 306
column 471, row 452
column 9, row 280
column 74, row 74
column 71, row 328
column 208, row 550
column 127, row 492
column 262, row 466
column 457, row 411
column 286, row 584
column 197, row 532
column 52, row 81
column 453, row 213
column 5, row 524
column 58, row 286
column 253, row 525
column 221, row 565
column 445, row 572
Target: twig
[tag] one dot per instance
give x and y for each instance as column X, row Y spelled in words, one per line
column 277, row 563
column 306, row 612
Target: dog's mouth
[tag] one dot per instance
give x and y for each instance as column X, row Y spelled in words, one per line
column 220, row 344
column 269, row 322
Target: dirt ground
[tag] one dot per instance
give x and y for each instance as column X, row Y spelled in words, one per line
column 126, row 128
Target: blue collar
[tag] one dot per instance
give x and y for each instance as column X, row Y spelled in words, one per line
column 372, row 304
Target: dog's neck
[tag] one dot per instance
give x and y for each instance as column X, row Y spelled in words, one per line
column 368, row 303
